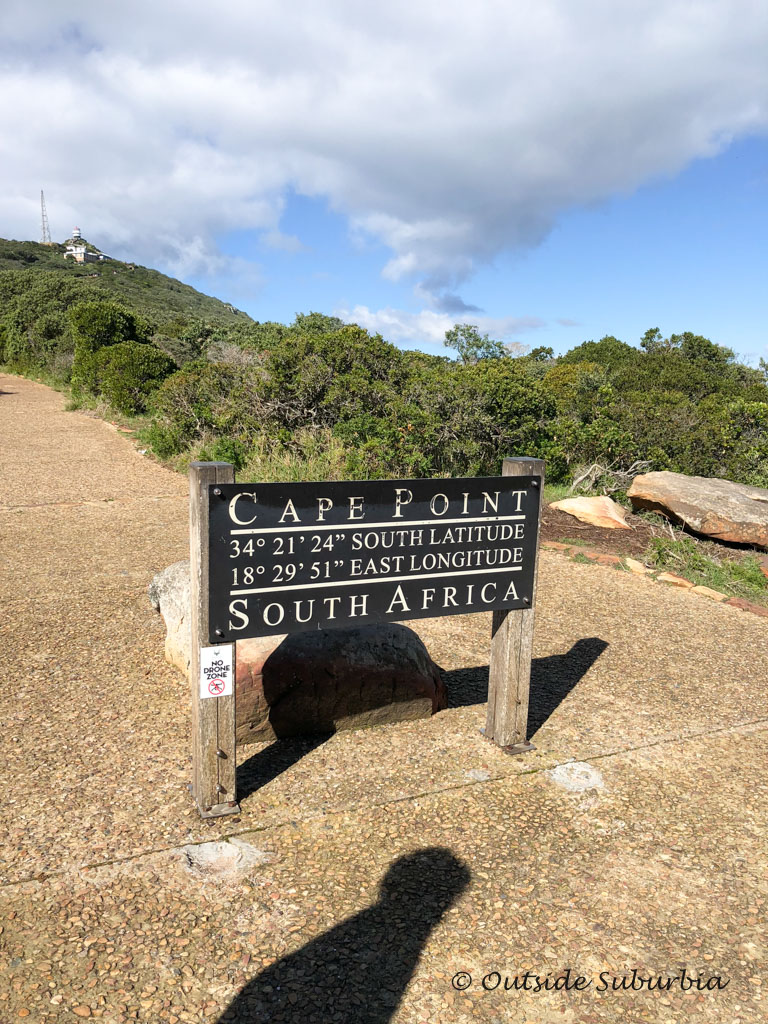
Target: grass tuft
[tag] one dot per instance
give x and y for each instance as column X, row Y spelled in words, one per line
column 736, row 577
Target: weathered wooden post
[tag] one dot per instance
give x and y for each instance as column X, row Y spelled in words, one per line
column 212, row 667
column 509, row 680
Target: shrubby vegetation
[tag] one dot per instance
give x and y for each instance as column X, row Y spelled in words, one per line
column 683, row 404
column 319, row 398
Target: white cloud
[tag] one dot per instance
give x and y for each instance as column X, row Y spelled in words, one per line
column 426, row 329
column 448, row 131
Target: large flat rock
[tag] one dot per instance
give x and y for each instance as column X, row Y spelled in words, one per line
column 719, row 509
column 599, row 511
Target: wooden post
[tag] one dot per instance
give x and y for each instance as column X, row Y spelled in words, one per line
column 213, row 719
column 509, row 680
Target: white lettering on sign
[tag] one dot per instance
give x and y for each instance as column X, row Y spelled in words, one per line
column 233, row 507
column 216, row 670
column 291, row 557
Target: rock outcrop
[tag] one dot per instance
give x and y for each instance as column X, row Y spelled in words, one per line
column 169, row 595
column 311, row 683
column 601, row 511
column 719, row 509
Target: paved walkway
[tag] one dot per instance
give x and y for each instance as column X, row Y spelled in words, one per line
column 379, row 864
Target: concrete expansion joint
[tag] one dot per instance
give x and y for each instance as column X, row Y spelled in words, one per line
column 90, row 502
column 545, row 766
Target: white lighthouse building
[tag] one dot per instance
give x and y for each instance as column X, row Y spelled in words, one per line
column 80, row 251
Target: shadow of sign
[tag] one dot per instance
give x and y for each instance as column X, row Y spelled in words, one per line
column 357, row 972
column 552, row 679
column 270, row 762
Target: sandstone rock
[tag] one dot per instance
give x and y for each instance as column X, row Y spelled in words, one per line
column 636, row 567
column 310, row 683
column 747, row 606
column 555, row 545
column 603, row 559
column 602, row 511
column 675, row 581
column 169, row 595
column 736, row 513
column 713, row 595
column 333, row 679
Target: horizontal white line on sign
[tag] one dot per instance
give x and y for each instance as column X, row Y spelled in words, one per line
column 387, row 579
column 359, row 524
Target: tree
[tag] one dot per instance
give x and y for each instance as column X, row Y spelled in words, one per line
column 316, row 323
column 652, row 340
column 690, row 346
column 698, row 349
column 541, row 354
column 609, row 352
column 472, row 345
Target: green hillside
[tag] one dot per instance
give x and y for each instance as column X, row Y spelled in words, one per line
column 318, row 398
column 138, row 287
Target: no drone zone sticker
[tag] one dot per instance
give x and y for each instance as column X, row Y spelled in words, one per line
column 216, row 675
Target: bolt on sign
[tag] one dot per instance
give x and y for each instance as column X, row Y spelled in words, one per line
column 269, row 559
column 286, row 558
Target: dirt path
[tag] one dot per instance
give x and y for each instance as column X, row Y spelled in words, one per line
column 659, row 862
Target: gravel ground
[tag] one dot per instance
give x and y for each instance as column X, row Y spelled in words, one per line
column 379, row 863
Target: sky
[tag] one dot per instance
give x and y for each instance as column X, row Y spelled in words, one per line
column 550, row 172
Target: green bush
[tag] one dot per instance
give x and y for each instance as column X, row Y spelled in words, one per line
column 682, row 405
column 225, row 449
column 199, row 400
column 275, row 395
column 96, row 326
column 126, row 374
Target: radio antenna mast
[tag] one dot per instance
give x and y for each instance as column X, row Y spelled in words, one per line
column 46, row 231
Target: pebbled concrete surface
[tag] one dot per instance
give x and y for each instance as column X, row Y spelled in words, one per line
column 488, row 863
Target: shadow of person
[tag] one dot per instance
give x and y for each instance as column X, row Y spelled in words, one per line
column 356, row 973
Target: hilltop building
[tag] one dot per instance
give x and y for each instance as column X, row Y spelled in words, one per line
column 82, row 251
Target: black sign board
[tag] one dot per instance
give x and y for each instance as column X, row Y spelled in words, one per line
column 285, row 558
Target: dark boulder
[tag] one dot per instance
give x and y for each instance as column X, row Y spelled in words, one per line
column 311, row 683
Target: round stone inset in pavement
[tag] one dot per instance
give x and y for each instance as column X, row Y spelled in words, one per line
column 576, row 777
column 222, row 859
